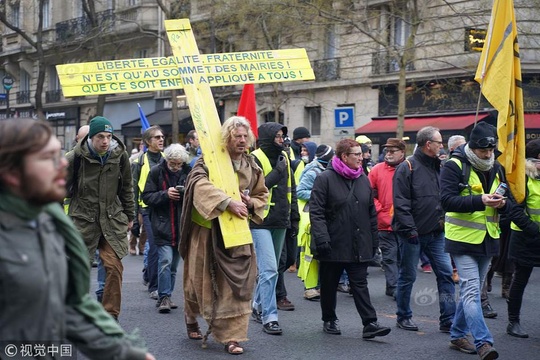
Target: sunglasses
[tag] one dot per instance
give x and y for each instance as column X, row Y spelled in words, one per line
column 489, row 141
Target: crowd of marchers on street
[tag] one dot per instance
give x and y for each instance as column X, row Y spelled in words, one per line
column 323, row 211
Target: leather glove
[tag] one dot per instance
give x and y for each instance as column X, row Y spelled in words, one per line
column 413, row 240
column 136, row 229
column 324, row 249
column 281, row 164
column 294, row 229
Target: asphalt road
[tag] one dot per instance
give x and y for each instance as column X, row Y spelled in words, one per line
column 303, row 337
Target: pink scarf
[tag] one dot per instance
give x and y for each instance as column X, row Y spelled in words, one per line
column 345, row 171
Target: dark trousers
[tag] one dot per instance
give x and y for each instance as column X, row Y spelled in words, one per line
column 388, row 243
column 329, row 273
column 152, row 268
column 515, row 296
column 287, row 258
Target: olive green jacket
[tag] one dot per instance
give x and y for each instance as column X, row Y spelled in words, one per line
column 102, row 201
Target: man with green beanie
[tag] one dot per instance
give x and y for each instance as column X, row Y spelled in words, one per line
column 102, row 206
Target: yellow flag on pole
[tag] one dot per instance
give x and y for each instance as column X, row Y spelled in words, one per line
column 499, row 75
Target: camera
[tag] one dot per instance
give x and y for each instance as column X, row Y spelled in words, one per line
column 180, row 188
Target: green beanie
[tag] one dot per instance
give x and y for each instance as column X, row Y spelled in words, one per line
column 99, row 124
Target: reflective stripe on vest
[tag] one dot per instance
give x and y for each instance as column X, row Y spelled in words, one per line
column 532, row 202
column 267, row 167
column 472, row 227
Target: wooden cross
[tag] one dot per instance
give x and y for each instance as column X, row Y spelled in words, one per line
column 189, row 70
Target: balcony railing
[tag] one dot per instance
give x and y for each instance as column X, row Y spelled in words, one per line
column 77, row 28
column 23, row 97
column 53, row 96
column 383, row 63
column 326, row 70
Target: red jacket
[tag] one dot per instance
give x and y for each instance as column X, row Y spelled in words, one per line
column 380, row 177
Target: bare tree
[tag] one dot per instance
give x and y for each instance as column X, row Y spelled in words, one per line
column 37, row 44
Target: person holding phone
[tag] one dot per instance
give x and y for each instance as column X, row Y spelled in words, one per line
column 163, row 194
column 473, row 207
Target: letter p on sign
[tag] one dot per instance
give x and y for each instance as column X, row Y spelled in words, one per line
column 344, row 117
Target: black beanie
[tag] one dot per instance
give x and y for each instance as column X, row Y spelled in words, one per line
column 300, row 133
column 324, row 153
column 532, row 149
column 483, row 136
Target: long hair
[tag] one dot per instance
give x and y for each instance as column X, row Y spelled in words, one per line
column 231, row 124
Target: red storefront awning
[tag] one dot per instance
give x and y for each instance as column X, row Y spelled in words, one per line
column 449, row 122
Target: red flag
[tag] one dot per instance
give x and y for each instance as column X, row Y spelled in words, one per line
column 248, row 108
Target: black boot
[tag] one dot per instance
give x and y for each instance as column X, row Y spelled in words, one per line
column 514, row 329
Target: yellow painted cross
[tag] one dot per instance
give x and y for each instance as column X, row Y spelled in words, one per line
column 195, row 73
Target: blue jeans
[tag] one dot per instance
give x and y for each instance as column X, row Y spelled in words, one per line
column 152, row 267
column 472, row 272
column 101, row 274
column 268, row 245
column 433, row 246
column 168, row 265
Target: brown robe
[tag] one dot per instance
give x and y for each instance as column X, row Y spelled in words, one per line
column 219, row 282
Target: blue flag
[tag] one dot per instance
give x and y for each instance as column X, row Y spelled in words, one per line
column 144, row 120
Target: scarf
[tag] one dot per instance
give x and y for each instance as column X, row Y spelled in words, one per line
column 345, row 171
column 78, row 289
column 476, row 162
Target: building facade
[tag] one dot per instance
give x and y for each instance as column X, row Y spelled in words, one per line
column 364, row 54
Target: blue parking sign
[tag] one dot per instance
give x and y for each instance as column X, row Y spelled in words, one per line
column 344, row 117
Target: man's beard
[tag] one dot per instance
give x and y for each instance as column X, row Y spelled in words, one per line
column 40, row 196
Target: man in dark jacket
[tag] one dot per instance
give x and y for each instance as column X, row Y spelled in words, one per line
column 418, row 223
column 282, row 213
column 163, row 194
column 154, row 140
column 344, row 235
column 102, row 205
column 300, row 136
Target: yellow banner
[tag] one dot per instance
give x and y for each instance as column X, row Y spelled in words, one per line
column 499, row 75
column 165, row 73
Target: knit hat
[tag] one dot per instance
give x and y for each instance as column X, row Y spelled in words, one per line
column 363, row 139
column 365, row 148
column 324, row 153
column 395, row 143
column 483, row 136
column 311, row 148
column 300, row 133
column 99, row 124
column 532, row 149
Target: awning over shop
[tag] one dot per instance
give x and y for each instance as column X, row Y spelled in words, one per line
column 448, row 122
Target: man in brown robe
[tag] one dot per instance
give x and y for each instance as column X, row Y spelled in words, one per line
column 219, row 282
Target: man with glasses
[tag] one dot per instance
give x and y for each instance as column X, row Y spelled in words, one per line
column 154, row 141
column 380, row 178
column 473, row 207
column 281, row 213
column 102, row 205
column 419, row 224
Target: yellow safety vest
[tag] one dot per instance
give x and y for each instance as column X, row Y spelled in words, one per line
column 472, row 227
column 267, row 167
column 532, row 202
column 298, row 172
column 143, row 175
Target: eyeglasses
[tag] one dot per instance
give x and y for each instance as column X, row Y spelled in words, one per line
column 280, row 136
column 392, row 151
column 435, row 141
column 489, row 141
column 157, row 137
column 173, row 164
column 355, row 154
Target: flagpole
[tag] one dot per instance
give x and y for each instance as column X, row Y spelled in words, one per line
column 490, row 35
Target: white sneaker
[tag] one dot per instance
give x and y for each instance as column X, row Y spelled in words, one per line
column 154, row 295
column 312, row 294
